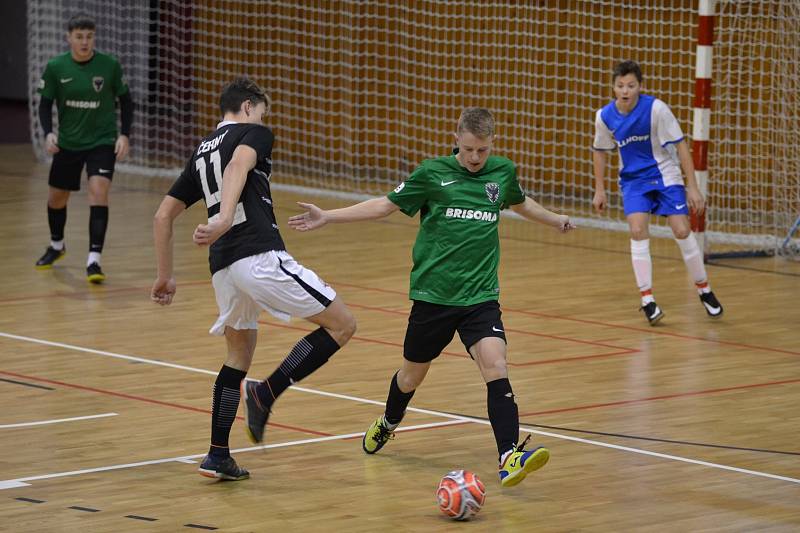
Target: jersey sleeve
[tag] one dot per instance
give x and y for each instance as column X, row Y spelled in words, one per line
column 185, row 188
column 411, row 195
column 514, row 194
column 47, row 83
column 667, row 129
column 120, row 86
column 603, row 138
column 259, row 139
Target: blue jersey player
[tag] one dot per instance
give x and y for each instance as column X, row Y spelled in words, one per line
column 652, row 151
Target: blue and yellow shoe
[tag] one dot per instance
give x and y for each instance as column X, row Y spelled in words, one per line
column 94, row 274
column 520, row 463
column 376, row 436
column 51, row 255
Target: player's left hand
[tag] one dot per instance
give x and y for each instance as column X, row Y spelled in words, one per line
column 207, row 234
column 122, row 147
column 695, row 200
column 564, row 225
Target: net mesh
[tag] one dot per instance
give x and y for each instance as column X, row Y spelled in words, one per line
column 363, row 91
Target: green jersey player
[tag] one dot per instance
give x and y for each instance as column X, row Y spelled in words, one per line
column 454, row 283
column 85, row 85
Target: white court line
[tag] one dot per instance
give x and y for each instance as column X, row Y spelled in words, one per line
column 55, row 421
column 416, row 410
column 22, row 481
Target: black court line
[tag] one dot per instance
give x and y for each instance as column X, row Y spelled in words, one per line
column 638, row 437
column 137, row 517
column 31, row 500
column 198, row 526
column 716, row 263
column 86, row 509
column 667, row 441
column 26, row 384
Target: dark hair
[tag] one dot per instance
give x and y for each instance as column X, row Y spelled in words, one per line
column 81, row 21
column 238, row 91
column 627, row 67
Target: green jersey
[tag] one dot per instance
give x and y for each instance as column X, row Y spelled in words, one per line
column 85, row 96
column 457, row 250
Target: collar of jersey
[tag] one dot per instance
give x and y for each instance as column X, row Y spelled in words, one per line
column 226, row 123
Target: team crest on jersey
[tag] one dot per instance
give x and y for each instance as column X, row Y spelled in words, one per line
column 493, row 191
column 97, row 82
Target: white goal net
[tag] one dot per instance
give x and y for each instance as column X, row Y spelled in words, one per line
column 363, row 91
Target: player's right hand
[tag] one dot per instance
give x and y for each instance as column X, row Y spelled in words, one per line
column 51, row 143
column 312, row 219
column 599, row 201
column 163, row 291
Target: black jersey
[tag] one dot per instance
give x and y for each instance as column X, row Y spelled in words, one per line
column 254, row 229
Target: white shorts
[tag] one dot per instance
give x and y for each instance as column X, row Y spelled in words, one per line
column 272, row 281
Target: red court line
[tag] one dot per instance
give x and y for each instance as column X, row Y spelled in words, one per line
column 521, row 332
column 463, row 356
column 663, row 397
column 150, row 400
column 650, row 330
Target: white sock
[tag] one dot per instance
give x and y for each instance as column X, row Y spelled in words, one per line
column 57, row 245
column 503, row 457
column 694, row 261
column 642, row 265
column 94, row 257
column 389, row 426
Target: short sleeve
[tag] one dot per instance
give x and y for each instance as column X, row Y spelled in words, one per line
column 120, row 85
column 514, row 194
column 185, row 188
column 47, row 83
column 411, row 195
column 667, row 129
column 259, row 139
column 603, row 138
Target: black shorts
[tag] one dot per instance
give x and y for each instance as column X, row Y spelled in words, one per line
column 431, row 327
column 65, row 172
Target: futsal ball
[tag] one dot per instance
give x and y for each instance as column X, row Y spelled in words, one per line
column 460, row 494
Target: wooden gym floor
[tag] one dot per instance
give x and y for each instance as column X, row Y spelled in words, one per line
column 689, row 426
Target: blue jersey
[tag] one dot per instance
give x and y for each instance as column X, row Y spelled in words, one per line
column 645, row 139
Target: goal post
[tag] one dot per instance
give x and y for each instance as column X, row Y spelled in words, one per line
column 363, row 91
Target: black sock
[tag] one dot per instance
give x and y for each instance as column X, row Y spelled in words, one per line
column 310, row 353
column 503, row 414
column 223, row 411
column 98, row 222
column 57, row 219
column 396, row 402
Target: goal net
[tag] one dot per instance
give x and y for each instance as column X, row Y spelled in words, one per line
column 363, row 91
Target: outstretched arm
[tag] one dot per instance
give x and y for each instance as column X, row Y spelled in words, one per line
column 531, row 210
column 367, row 210
column 233, row 179
column 164, row 287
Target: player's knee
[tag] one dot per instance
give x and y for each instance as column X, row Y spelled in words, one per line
column 639, row 233
column 345, row 327
column 681, row 232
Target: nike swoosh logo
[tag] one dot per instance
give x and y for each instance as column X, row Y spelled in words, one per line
column 446, row 183
column 497, row 330
column 712, row 309
column 66, row 80
column 103, row 170
column 681, row 206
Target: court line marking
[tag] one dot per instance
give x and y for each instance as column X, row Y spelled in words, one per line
column 55, row 421
column 453, row 418
column 23, row 481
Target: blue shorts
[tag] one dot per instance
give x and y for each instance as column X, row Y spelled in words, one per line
column 664, row 202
